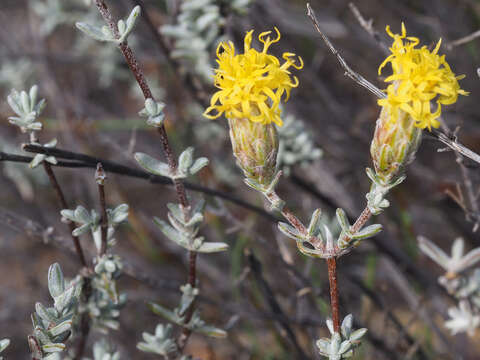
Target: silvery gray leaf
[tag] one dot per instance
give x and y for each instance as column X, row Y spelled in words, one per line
column 60, row 328
column 343, row 220
column 185, row 160
column 211, row 331
column 323, row 345
column 130, row 23
column 63, row 300
column 37, row 160
column 165, row 313
column 50, row 348
column 81, row 229
column 367, row 232
column 94, row 32
column 313, row 226
column 358, row 334
column 198, row 165
column 346, row 326
column 56, row 281
column 329, row 323
column 290, row 231
column 4, row 344
column 172, row 234
column 344, row 347
column 161, row 343
column 176, row 212
column 152, row 165
column 468, row 260
column 119, row 214
column 434, row 252
column 195, row 219
column 212, row 247
column 82, row 215
column 44, row 314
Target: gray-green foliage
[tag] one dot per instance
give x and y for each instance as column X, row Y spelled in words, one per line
column 153, row 111
column 40, row 158
column 296, row 146
column 125, row 27
column 376, row 200
column 91, row 221
column 102, row 350
column 341, row 346
column 105, row 301
column 162, row 342
column 183, row 231
column 27, row 108
column 197, row 31
column 460, row 281
column 52, row 326
column 186, row 165
column 3, row 345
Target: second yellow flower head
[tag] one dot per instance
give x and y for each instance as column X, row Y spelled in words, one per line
column 419, row 77
column 252, row 84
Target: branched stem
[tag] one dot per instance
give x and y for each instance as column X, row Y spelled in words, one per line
column 63, row 204
column 359, row 223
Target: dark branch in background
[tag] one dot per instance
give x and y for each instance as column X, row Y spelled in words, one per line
column 268, row 294
column 112, row 167
column 82, row 160
column 64, row 205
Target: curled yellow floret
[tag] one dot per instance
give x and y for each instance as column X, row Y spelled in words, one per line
column 419, row 77
column 253, row 84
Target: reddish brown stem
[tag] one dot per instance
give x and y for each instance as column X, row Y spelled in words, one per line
column 172, row 163
column 64, row 205
column 332, row 278
column 182, row 341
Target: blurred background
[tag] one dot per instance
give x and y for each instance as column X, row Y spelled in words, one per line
column 93, row 101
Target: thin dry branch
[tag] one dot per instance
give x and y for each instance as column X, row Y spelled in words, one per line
column 359, row 79
column 463, row 40
column 368, row 26
column 451, row 142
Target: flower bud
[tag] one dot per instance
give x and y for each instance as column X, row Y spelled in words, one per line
column 255, row 146
column 394, row 145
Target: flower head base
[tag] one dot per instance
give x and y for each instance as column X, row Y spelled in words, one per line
column 252, row 84
column 255, row 146
column 419, row 77
column 394, row 146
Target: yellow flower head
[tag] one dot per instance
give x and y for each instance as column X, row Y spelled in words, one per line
column 419, row 77
column 252, row 84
